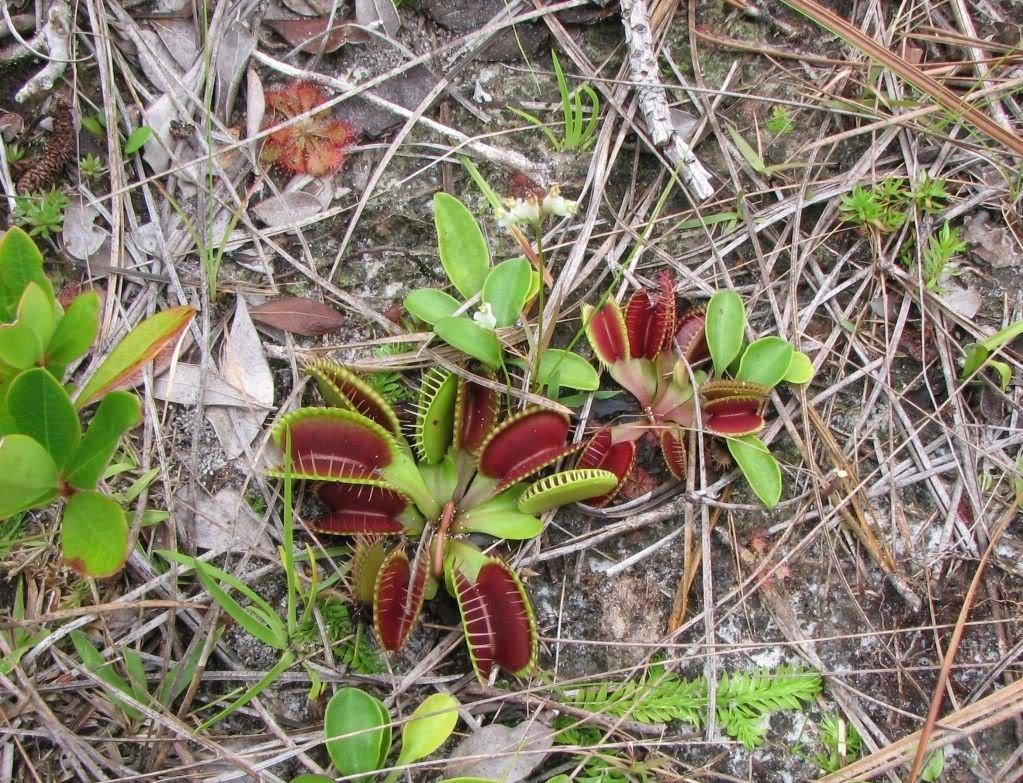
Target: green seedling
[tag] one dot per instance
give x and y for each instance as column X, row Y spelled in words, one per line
column 90, row 166
column 41, row 214
column 357, row 728
column 978, row 355
column 937, row 267
column 840, row 744
column 580, row 131
column 780, row 121
column 46, row 454
column 15, row 154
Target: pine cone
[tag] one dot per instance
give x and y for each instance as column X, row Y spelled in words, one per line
column 46, row 169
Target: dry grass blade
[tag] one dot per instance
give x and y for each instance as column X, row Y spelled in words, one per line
column 911, row 74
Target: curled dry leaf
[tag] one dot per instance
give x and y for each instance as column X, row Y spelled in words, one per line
column 299, row 315
column 82, row 237
column 990, row 242
column 321, row 35
column 382, row 12
column 309, row 7
column 255, row 103
column 181, row 39
column 182, row 385
column 232, row 56
column 285, row 210
column 244, row 366
column 222, row 523
column 505, row 753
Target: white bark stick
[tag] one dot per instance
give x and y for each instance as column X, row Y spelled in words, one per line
column 55, row 40
column 653, row 100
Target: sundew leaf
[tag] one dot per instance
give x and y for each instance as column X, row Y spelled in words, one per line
column 506, row 289
column 765, row 361
column 76, row 330
column 139, row 346
column 568, row 369
column 117, row 413
column 41, row 409
column 94, row 535
column 759, row 467
column 23, row 342
column 358, row 732
column 726, row 320
column 30, row 476
column 463, row 250
column 428, row 727
column 430, row 305
column 470, row 338
column 21, row 263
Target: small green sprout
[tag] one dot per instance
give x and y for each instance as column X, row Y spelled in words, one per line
column 840, row 743
column 878, row 208
column 780, row 121
column 41, row 214
column 941, row 249
column 15, row 154
column 580, row 132
column 90, row 166
column 929, row 193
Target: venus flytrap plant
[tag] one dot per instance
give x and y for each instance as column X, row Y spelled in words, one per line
column 652, row 352
column 45, row 453
column 466, row 472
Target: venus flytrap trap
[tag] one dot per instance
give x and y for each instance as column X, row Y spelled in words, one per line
column 654, row 354
column 466, row 471
column 45, row 453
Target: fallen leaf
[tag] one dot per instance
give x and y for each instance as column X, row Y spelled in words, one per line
column 299, row 315
column 159, row 115
column 82, row 237
column 989, row 242
column 236, row 46
column 505, row 753
column 244, row 366
column 157, row 63
column 182, row 385
column 964, row 301
column 317, row 36
column 287, row 208
column 11, row 125
column 255, row 103
column 181, row 39
column 309, row 7
column 370, row 12
column 222, row 523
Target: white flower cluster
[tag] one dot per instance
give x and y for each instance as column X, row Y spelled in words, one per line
column 485, row 317
column 533, row 210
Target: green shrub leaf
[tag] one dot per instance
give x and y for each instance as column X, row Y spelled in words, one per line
column 759, row 467
column 139, row 346
column 41, row 409
column 23, row 343
column 137, row 139
column 506, row 289
column 463, row 250
column 76, row 330
column 726, row 320
column 94, row 535
column 21, row 263
column 94, row 661
column 430, row 305
column 470, row 338
column 568, row 370
column 800, row 368
column 765, row 361
column 117, row 413
column 358, row 731
column 30, row 476
column 428, row 727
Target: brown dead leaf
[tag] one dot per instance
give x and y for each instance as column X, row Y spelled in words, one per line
column 299, row 315
column 319, row 35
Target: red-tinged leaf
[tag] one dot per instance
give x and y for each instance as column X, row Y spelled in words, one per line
column 318, row 35
column 298, row 315
column 498, row 620
column 342, row 388
column 724, row 388
column 476, row 409
column 673, row 447
column 605, row 329
column 398, row 598
column 155, row 334
column 524, row 444
column 733, row 416
column 514, row 626
column 602, row 453
column 369, row 509
column 367, row 557
column 331, row 444
column 650, row 321
column 691, row 337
